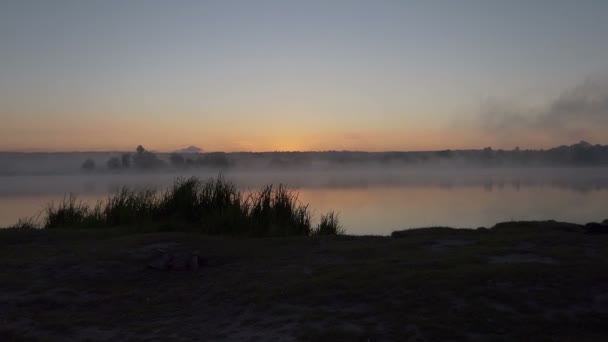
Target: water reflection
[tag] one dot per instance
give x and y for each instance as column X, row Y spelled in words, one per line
column 368, row 202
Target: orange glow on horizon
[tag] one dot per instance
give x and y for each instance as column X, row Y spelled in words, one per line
column 167, row 135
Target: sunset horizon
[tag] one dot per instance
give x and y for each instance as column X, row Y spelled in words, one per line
column 301, row 76
column 303, row 170
column 179, row 149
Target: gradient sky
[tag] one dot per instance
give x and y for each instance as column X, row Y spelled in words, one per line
column 302, row 75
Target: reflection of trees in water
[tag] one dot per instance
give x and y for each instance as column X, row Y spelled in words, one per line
column 580, row 180
column 488, row 183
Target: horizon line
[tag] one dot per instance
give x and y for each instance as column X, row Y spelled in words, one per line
column 34, row 150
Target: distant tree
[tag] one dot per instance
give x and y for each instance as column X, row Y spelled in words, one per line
column 126, row 160
column 147, row 160
column 488, row 152
column 113, row 163
column 583, row 144
column 88, row 165
column 445, row 154
column 177, row 160
column 213, row 160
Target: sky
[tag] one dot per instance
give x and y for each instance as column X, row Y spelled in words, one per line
column 302, row 75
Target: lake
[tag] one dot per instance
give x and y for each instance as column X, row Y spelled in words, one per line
column 368, row 201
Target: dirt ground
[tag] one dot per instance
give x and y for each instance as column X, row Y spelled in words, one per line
column 517, row 281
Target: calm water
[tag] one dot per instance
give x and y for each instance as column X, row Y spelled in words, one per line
column 369, row 202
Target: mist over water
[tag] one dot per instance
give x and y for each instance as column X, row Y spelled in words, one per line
column 369, row 201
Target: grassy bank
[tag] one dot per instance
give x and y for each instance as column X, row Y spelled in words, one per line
column 212, row 206
column 541, row 281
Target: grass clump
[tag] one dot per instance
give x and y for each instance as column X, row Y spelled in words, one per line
column 72, row 213
column 126, row 207
column 329, row 225
column 214, row 206
column 28, row 223
column 277, row 211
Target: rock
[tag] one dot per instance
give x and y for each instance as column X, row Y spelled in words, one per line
column 596, row 228
column 178, row 262
column 193, row 263
column 161, row 263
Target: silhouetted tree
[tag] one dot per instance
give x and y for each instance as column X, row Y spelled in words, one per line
column 126, row 160
column 146, row 160
column 488, row 153
column 177, row 160
column 88, row 165
column 113, row 163
column 445, row 154
column 214, row 160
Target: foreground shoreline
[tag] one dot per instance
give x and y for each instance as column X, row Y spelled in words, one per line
column 517, row 280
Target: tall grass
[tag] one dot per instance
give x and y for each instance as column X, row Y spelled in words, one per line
column 26, row 223
column 71, row 213
column 329, row 225
column 277, row 211
column 214, row 206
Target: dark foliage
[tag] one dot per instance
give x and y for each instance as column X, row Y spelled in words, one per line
column 113, row 163
column 582, row 154
column 329, row 225
column 597, row 228
column 177, row 160
column 214, row 206
column 126, row 160
column 88, row 165
column 146, row 160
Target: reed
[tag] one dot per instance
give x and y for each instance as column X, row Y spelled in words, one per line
column 213, row 206
column 329, row 225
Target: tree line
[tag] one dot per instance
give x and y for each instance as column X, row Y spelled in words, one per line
column 579, row 154
column 147, row 160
